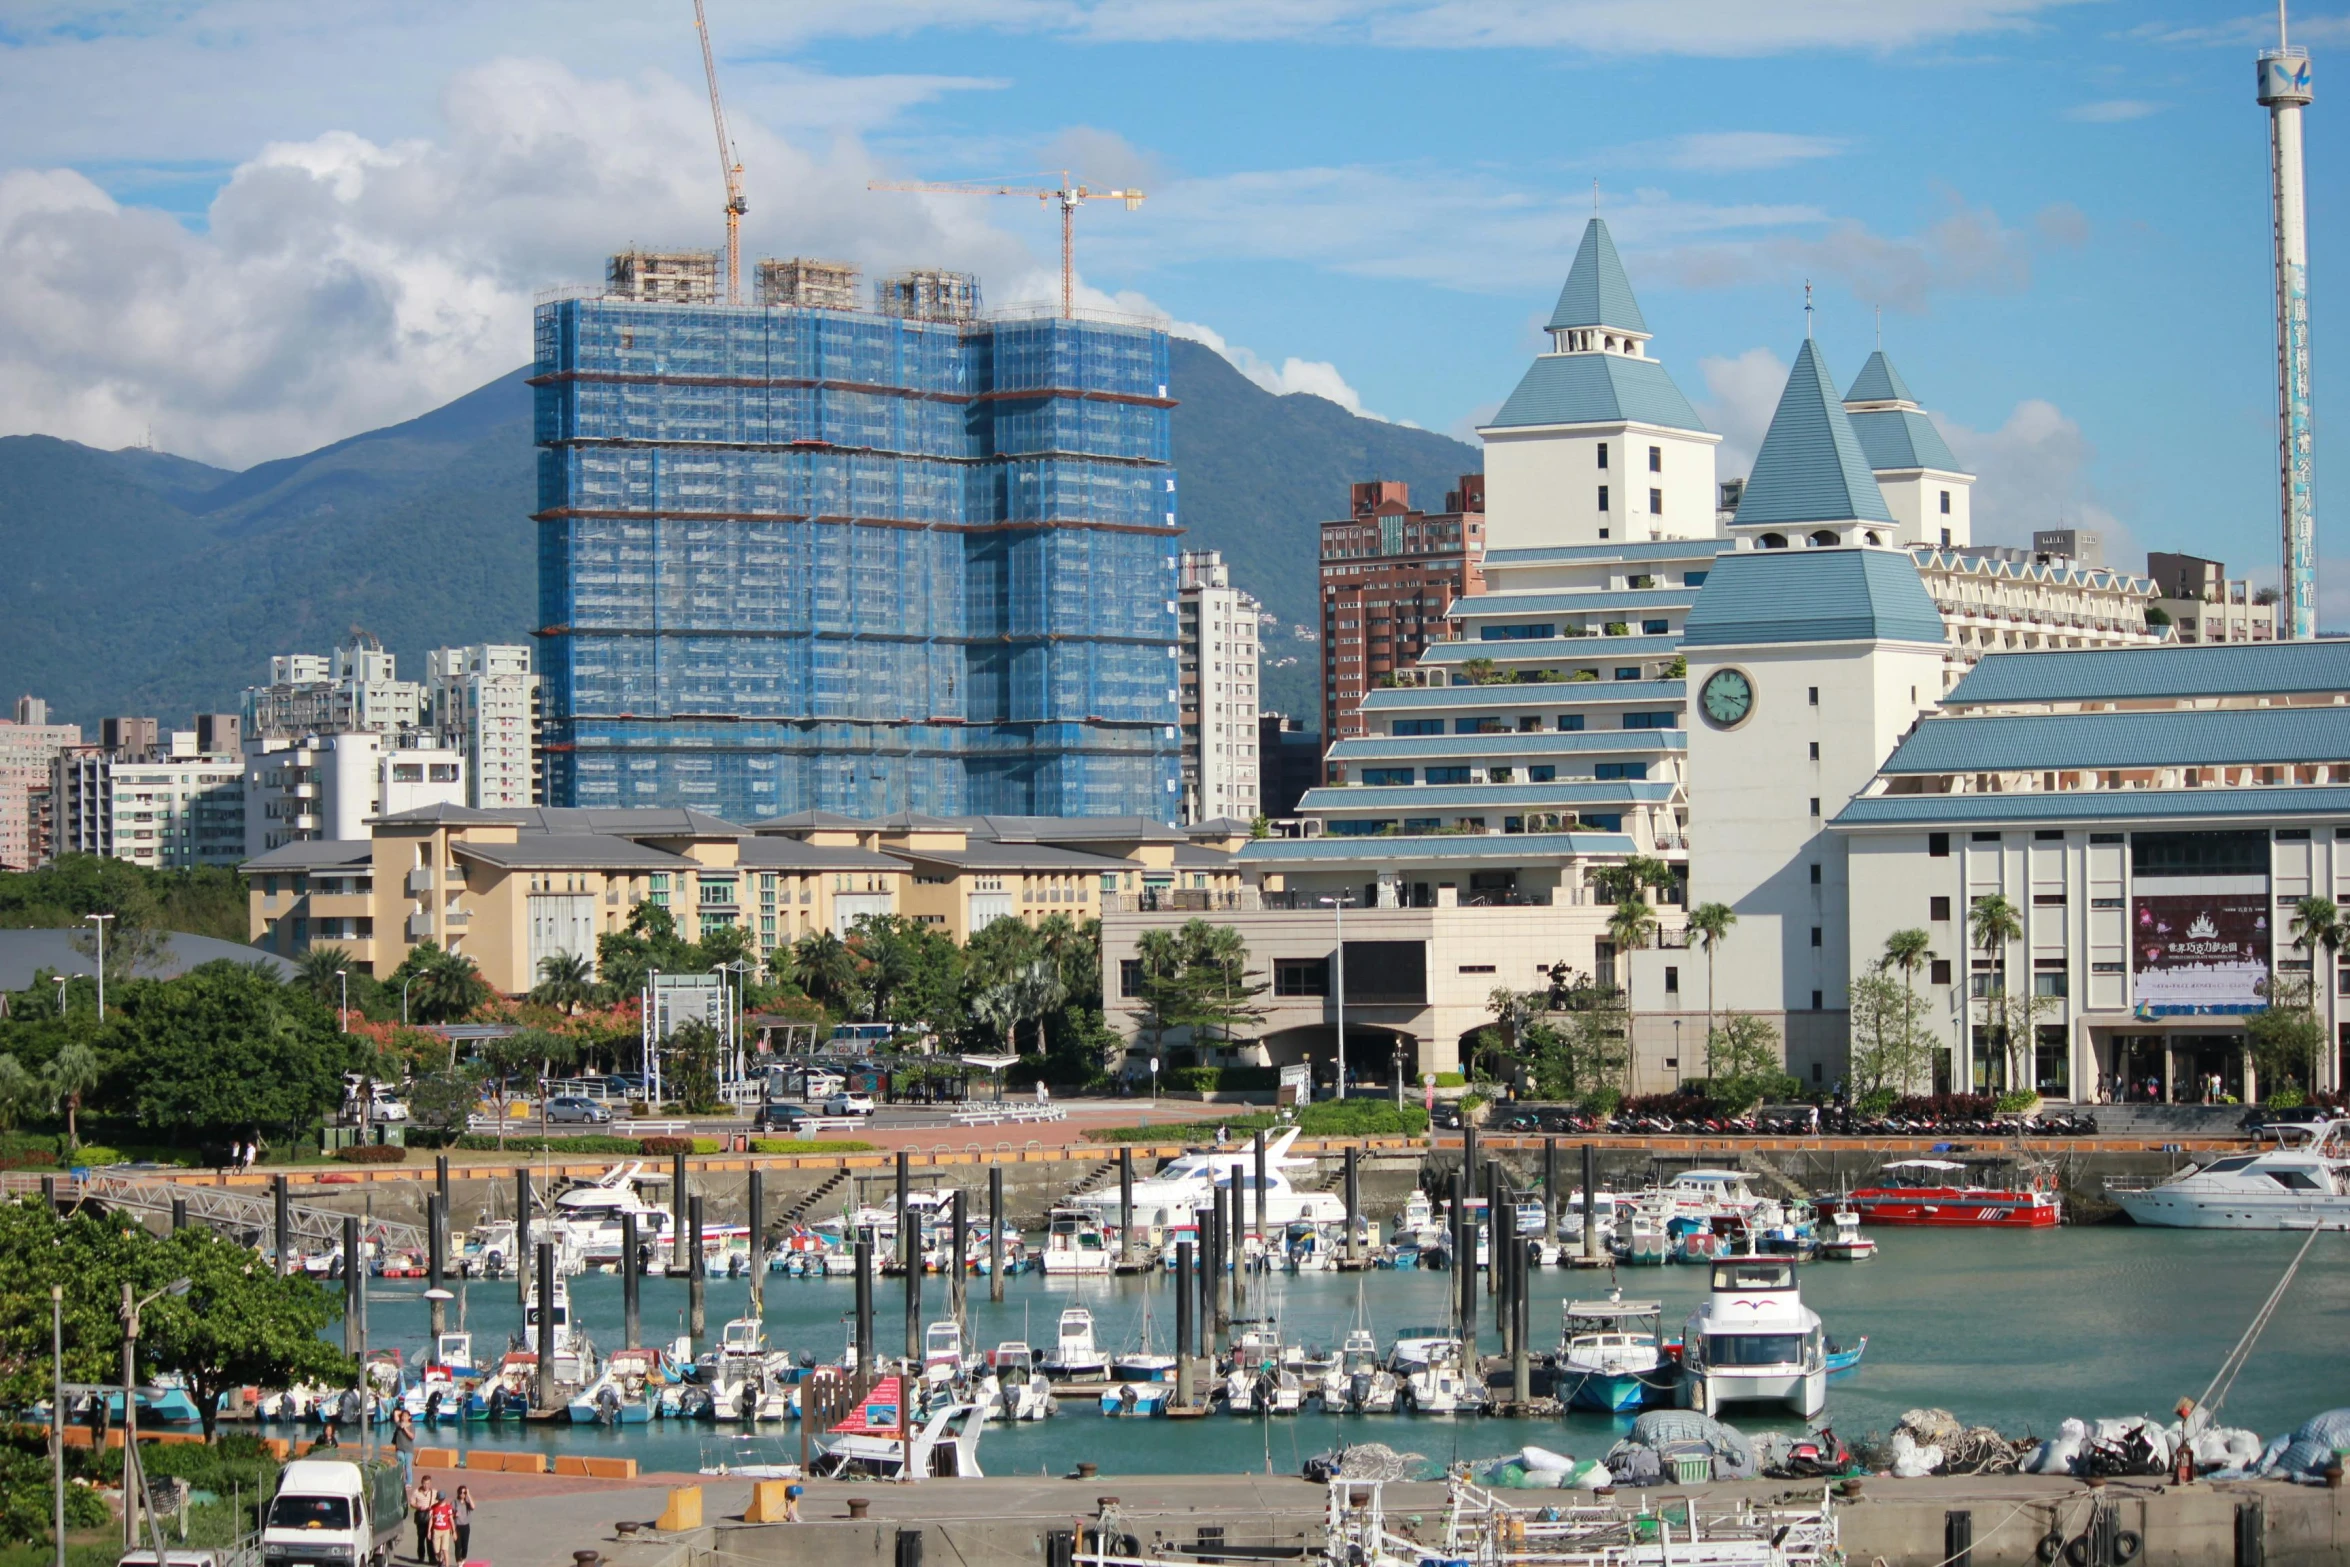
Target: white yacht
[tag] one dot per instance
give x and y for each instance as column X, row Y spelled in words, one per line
column 1075, row 1243
column 1169, row 1200
column 2302, row 1183
column 1074, row 1355
column 1753, row 1340
column 588, row 1216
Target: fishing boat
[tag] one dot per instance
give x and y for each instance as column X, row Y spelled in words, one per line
column 1845, row 1240
column 1358, row 1383
column 1611, row 1352
column 1753, row 1340
column 1442, row 1386
column 1137, row 1398
column 945, row 1357
column 1414, row 1347
column 2303, row 1183
column 882, row 1440
column 1074, row 1356
column 1641, row 1238
column 1417, row 1226
column 1927, row 1192
column 1075, row 1244
column 1841, row 1359
column 1021, row 1391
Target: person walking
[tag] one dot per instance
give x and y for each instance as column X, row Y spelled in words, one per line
column 421, row 1496
column 462, row 1510
column 404, row 1442
column 444, row 1531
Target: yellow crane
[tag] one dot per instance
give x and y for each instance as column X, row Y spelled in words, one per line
column 1069, row 197
column 730, row 165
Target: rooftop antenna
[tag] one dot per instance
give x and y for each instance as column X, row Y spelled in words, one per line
column 1595, row 185
column 1807, row 310
column 1880, row 329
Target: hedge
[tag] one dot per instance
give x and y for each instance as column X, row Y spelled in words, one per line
column 373, row 1153
column 1219, row 1079
column 479, row 1143
column 784, row 1145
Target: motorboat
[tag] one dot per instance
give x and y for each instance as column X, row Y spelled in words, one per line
column 1414, row 1347
column 587, row 1217
column 575, row 1353
column 1753, row 1340
column 1170, row 1200
column 1021, row 1392
column 1931, row 1193
column 1442, row 1386
column 1417, row 1226
column 2303, row 1183
column 1846, row 1241
column 1074, row 1356
column 745, row 1457
column 1145, row 1364
column 1640, row 1234
column 1075, row 1244
column 881, row 1439
column 1137, row 1398
column 945, row 1356
column 1358, row 1383
column 743, row 1377
column 1611, row 1353
column 1307, row 1249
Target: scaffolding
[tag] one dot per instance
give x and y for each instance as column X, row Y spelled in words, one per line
column 808, row 284
column 819, row 558
column 926, row 294
column 675, row 277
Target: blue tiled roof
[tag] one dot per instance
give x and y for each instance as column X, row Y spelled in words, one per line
column 1812, row 595
column 1544, row 742
column 1552, row 601
column 1446, row 846
column 1597, row 292
column 2126, row 674
column 2093, row 805
column 1811, row 467
column 1878, row 382
column 1547, row 693
column 1596, row 389
column 2180, row 738
column 1549, row 650
column 1462, row 797
column 1903, row 438
column 1647, row 549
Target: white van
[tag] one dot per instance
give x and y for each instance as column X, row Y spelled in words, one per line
column 331, row 1512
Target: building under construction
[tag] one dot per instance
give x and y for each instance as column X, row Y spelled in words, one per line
column 794, row 555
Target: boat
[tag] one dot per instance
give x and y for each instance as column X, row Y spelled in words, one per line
column 742, row 1377
column 1020, row 1390
column 1414, row 1347
column 1074, row 1356
column 1841, row 1359
column 1137, row 1398
column 743, row 1457
column 1611, row 1352
column 1845, row 1240
column 1417, row 1225
column 1640, row 1235
column 1753, row 1340
column 2303, row 1183
column 1145, row 1364
column 1358, row 1383
column 1924, row 1192
column 882, row 1440
column 587, row 1217
column 945, row 1358
column 1075, row 1243
column 1171, row 1200
column 1441, row 1386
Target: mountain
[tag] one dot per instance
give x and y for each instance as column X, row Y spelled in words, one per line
column 142, row 582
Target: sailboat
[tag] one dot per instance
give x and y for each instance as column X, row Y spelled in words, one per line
column 1144, row 1364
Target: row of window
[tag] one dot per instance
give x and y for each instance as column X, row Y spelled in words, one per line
column 1543, row 631
column 1490, row 724
column 1656, row 458
column 1656, row 501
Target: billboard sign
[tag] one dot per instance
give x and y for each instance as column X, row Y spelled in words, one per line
column 2199, row 951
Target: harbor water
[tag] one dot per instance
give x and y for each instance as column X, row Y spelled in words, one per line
column 2014, row 1330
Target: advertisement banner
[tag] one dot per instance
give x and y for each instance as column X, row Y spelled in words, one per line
column 2206, row 949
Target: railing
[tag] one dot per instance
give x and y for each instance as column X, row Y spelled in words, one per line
column 1009, row 1113
column 1184, row 900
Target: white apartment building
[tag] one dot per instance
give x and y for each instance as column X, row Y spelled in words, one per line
column 332, row 786
column 1217, row 654
column 29, row 748
column 170, row 813
column 484, row 702
column 358, row 688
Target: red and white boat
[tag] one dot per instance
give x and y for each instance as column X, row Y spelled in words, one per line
column 1935, row 1193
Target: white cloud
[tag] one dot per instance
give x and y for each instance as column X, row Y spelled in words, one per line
column 2252, row 29
column 1969, row 249
column 2112, row 111
column 1314, row 377
column 1741, row 395
column 1733, row 152
column 2034, row 472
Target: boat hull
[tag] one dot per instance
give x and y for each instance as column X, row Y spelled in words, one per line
column 1610, row 1392
column 1710, row 1392
column 1964, row 1208
column 2230, row 1211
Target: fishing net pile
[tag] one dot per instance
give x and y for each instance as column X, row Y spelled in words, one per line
column 1366, row 1461
column 1662, row 1436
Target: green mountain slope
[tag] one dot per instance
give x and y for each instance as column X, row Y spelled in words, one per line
column 148, row 583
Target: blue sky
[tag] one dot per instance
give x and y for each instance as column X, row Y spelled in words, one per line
column 253, row 229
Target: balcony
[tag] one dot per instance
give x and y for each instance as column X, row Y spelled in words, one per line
column 420, row 925
column 420, row 879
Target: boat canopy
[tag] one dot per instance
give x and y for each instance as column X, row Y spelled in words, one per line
column 1608, row 1310
column 1923, row 1164
column 1740, row 1274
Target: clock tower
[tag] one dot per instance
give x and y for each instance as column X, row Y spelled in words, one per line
column 1806, row 666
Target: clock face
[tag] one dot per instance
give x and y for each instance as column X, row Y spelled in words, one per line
column 1727, row 698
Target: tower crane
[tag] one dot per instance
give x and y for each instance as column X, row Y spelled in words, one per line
column 1068, row 196
column 730, row 166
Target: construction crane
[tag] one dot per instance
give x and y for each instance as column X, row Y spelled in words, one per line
column 1069, row 196
column 730, row 167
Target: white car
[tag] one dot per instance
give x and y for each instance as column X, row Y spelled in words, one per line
column 849, row 1104
column 822, row 1085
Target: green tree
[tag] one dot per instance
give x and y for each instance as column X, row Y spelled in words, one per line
column 693, row 1056
column 20, row 1092
column 824, row 967
column 2287, row 1038
column 225, row 1048
column 1710, row 925
column 73, row 1072
column 1632, row 924
column 1751, row 1066
column 441, row 986
column 322, row 971
column 566, row 980
column 1888, row 1051
column 2317, row 926
column 1996, row 925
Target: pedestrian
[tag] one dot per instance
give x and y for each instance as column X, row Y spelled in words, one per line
column 462, row 1508
column 421, row 1496
column 404, row 1442
column 444, row 1531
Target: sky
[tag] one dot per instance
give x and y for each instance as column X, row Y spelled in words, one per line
column 241, row 229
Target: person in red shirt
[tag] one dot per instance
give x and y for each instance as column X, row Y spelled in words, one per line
column 444, row 1532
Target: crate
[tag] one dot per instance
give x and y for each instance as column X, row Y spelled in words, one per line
column 1692, row 1468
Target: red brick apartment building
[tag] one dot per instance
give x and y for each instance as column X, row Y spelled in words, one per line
column 1389, row 573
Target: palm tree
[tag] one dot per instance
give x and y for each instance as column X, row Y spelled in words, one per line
column 825, row 968
column 1710, row 923
column 74, row 1073
column 1996, row 924
column 2317, row 923
column 448, row 986
column 320, row 971
column 1907, row 950
column 566, row 980
column 19, row 1089
column 1033, row 994
column 1633, row 922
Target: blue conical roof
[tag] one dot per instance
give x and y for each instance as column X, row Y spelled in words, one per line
column 1811, row 467
column 1878, row 382
column 1597, row 292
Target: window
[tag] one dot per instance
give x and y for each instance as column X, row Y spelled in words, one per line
column 1946, row 512
column 1672, row 980
column 1623, row 673
column 1666, row 720
column 1656, row 503
column 1946, row 538
column 2049, row 982
column 1693, row 579
column 1570, row 723
column 1417, row 726
column 1603, row 464
column 1542, row 772
column 2047, row 900
column 1606, row 772
column 1815, row 875
column 1938, row 972
column 1656, row 459
column 1526, row 633
column 1815, row 1006
column 1479, row 726
column 1477, row 968
column 1982, row 837
column 1448, row 775
column 2048, row 835
column 1301, row 976
column 1386, row 775
column 1656, row 628
column 1938, row 908
column 1815, row 805
column 1815, row 941
column 1603, row 497
column 1130, row 976
column 1938, row 845
column 1815, row 696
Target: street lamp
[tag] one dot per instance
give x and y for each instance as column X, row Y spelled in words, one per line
column 404, row 984
column 1338, row 907
column 100, row 920
column 343, row 1023
column 131, row 1499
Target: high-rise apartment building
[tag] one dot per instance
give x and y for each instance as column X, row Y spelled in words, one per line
column 796, row 557
column 484, row 702
column 1217, row 647
column 357, row 688
column 331, row 786
column 156, row 809
column 29, row 745
column 1389, row 575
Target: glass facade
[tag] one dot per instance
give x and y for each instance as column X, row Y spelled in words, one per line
column 799, row 559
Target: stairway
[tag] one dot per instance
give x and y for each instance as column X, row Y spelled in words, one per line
column 1101, row 1175
column 808, row 1204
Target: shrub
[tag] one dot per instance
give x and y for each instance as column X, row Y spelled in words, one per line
column 2287, row 1096
column 1215, row 1079
column 1451, row 1080
column 372, row 1153
column 479, row 1142
column 2015, row 1102
column 1361, row 1118
column 665, row 1147
column 28, row 1159
column 1602, row 1101
column 785, row 1145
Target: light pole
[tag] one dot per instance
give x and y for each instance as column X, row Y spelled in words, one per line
column 404, row 984
column 343, row 1022
column 652, row 1061
column 132, row 1473
column 57, row 1418
column 100, row 920
column 1337, row 907
column 1676, row 1052
column 62, row 981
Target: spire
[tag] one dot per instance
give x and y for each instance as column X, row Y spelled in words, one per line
column 1597, row 292
column 1811, row 467
column 1879, row 382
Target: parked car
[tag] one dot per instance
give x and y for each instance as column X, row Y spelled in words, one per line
column 822, row 1085
column 782, row 1118
column 571, row 1107
column 846, row 1103
column 1448, row 1117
